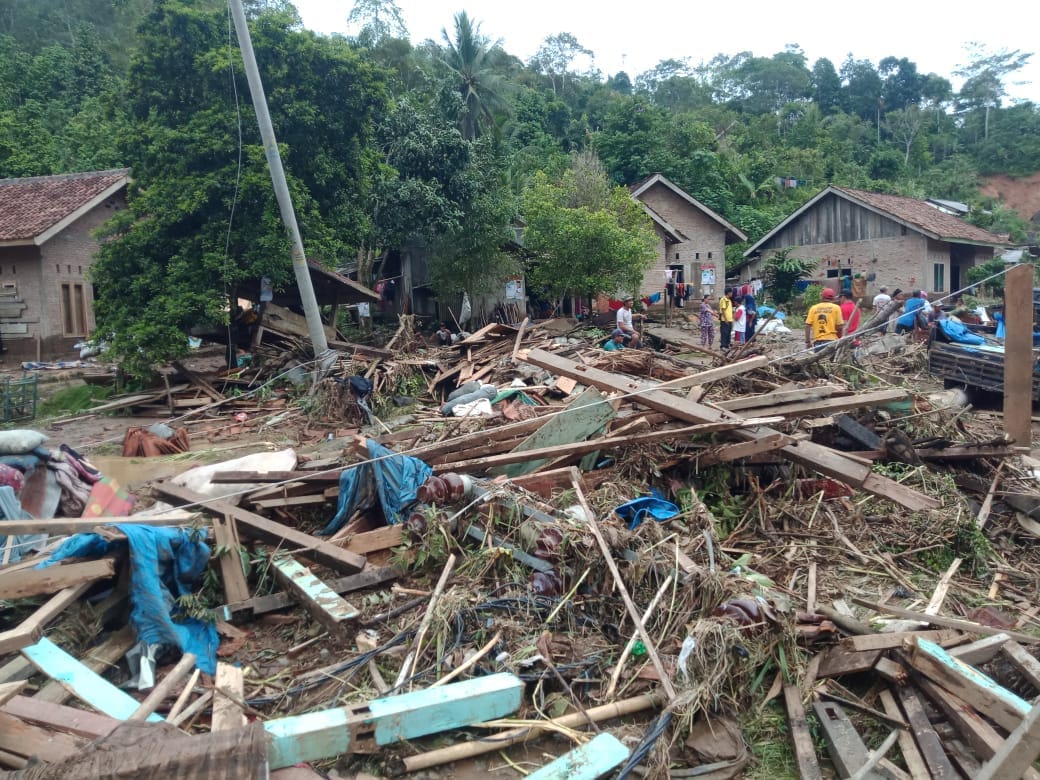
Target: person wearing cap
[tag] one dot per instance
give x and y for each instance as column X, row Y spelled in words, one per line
column 616, row 341
column 624, row 323
column 914, row 306
column 823, row 322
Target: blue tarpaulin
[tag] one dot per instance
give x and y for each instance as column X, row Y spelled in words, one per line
column 165, row 563
column 959, row 333
column 396, row 479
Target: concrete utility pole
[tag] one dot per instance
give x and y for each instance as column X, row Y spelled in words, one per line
column 281, row 188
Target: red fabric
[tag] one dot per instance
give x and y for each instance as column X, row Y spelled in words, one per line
column 850, row 313
column 614, row 305
column 9, row 475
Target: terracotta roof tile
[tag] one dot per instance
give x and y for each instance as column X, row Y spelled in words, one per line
column 928, row 218
column 29, row 206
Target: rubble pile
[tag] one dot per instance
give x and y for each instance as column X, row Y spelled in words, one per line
column 524, row 548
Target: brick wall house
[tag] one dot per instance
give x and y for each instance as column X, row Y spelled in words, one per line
column 692, row 238
column 888, row 240
column 46, row 251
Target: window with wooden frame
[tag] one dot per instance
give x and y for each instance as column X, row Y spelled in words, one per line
column 939, row 277
column 73, row 309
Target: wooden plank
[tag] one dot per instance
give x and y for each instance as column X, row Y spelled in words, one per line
column 58, row 717
column 806, row 453
column 714, row 374
column 34, row 582
column 1018, row 353
column 83, row 683
column 593, row 759
column 801, row 738
column 31, row 629
column 365, row 727
column 895, row 639
column 23, row 739
column 837, row 661
column 778, row 397
column 162, row 690
column 1001, row 705
column 939, row 764
column 61, row 526
column 844, row 745
column 257, row 477
column 857, row 432
column 369, row 578
column 11, row 689
column 270, row 503
column 98, row 659
column 253, row 525
column 1018, row 752
column 384, row 538
column 321, row 602
column 967, row 626
column 727, row 453
column 1027, row 665
column 892, row 671
column 915, row 763
column 520, row 455
column 828, row 406
column 981, row 650
column 229, row 558
column 229, row 690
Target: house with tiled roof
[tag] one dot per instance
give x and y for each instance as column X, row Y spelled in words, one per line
column 46, row 251
column 881, row 240
column 691, row 238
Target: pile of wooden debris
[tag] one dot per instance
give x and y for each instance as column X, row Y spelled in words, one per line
column 624, row 564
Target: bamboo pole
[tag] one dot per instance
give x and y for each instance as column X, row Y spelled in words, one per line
column 163, row 689
column 183, row 698
column 469, row 663
column 408, row 667
column 504, row 739
column 651, row 649
column 616, row 676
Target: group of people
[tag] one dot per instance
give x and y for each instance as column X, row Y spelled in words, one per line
column 736, row 316
column 625, row 333
column 831, row 319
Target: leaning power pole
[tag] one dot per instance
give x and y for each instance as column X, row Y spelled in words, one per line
column 281, row 188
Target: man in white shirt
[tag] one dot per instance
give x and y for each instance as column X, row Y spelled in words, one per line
column 624, row 323
column 881, row 300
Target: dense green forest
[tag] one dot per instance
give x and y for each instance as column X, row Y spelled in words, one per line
column 448, row 142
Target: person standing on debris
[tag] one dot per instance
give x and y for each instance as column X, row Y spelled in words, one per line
column 914, row 306
column 725, row 320
column 616, row 341
column 739, row 322
column 444, row 335
column 624, row 323
column 881, row 300
column 823, row 322
column 750, row 314
column 849, row 312
column 707, row 323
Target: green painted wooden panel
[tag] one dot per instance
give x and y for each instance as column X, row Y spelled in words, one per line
column 585, row 415
column 587, row 762
column 329, row 733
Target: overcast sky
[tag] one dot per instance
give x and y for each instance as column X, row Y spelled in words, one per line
column 634, row 36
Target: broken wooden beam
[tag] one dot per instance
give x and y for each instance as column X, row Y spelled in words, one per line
column 992, row 700
column 99, row 659
column 1019, row 751
column 256, row 526
column 714, row 374
column 927, row 740
column 228, row 696
column 844, row 745
column 159, row 693
column 61, row 526
column 967, row 626
column 1027, row 665
column 362, row 728
column 322, row 603
column 895, row 639
column 259, row 605
column 813, row 456
column 58, row 717
column 229, row 559
column 981, row 650
column 801, row 737
column 35, row 582
column 30, row 630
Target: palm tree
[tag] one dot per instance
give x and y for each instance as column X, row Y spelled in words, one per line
column 467, row 56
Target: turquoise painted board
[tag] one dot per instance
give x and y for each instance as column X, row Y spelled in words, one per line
column 587, row 762
column 320, row 596
column 84, row 683
column 329, row 733
column 1017, row 703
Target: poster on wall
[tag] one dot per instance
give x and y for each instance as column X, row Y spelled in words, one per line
column 514, row 289
column 707, row 276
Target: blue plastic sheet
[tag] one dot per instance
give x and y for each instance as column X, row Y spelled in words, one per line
column 958, row 332
column 165, row 563
column 396, row 478
column 639, row 509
